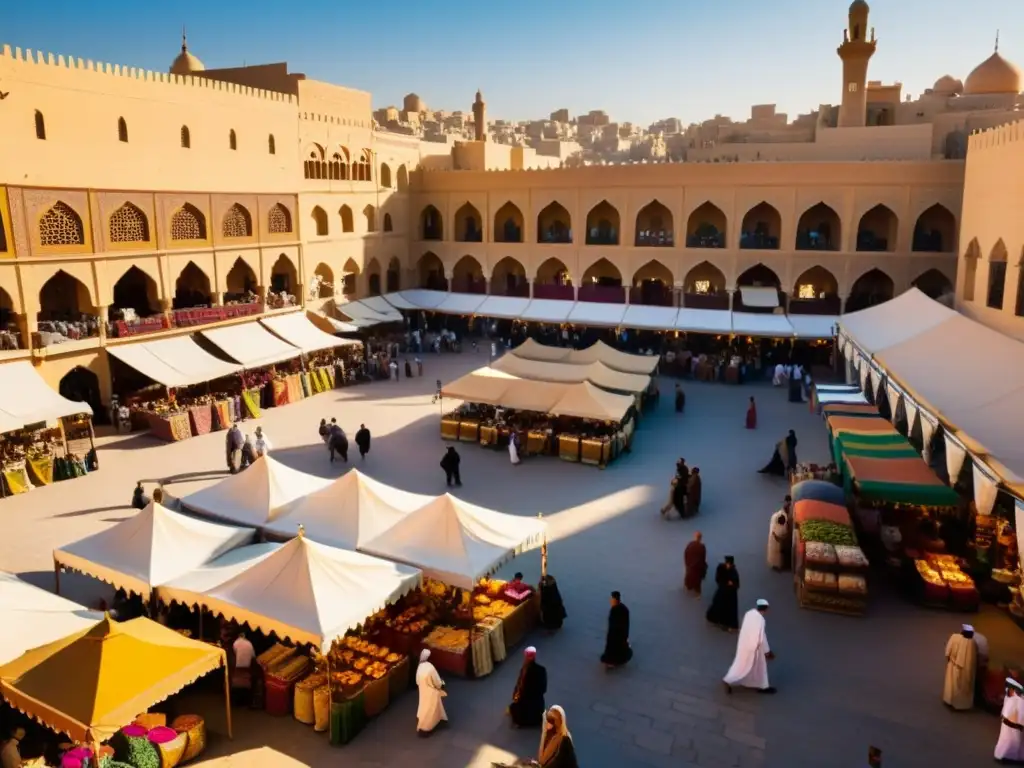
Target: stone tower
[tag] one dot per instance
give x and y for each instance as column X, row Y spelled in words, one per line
column 480, row 118
column 855, row 52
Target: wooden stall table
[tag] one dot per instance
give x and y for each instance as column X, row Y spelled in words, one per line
column 453, row 662
column 495, row 628
column 399, row 679
column 594, row 451
column 348, row 716
column 469, row 431
column 517, row 625
column 569, row 447
column 171, row 427
column 449, row 429
column 488, row 435
column 537, row 442
column 200, row 419
column 480, row 652
column 376, row 695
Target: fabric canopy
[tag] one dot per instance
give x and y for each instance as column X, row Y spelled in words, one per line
column 484, row 385
column 254, row 497
column 898, row 480
column 817, row 490
column 362, row 312
column 307, row 592
column 174, row 362
column 398, row 301
column 600, row 352
column 842, row 398
column 534, row 350
column 585, row 401
column 91, row 684
column 251, row 344
column 31, row 617
column 299, row 332
column 417, row 298
column 347, row 513
column 26, row 399
column 753, row 324
column 831, row 409
column 704, row 321
column 837, row 424
column 198, row 581
column 548, row 311
column 456, row 542
column 510, row 307
column 650, row 317
column 596, row 373
column 757, row 296
column 461, row 303
column 381, row 306
column 149, row 549
column 597, row 313
column 813, row 326
column 893, row 322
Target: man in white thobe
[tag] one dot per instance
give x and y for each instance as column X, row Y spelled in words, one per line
column 778, row 538
column 1010, row 746
column 430, row 711
column 750, row 667
column 961, row 670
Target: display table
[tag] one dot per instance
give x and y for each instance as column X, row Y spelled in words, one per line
column 469, row 431
column 348, row 716
column 449, row 429
column 593, row 451
column 569, row 447
column 489, row 435
column 453, row 662
column 399, row 679
column 376, row 695
column 518, row 624
column 537, row 442
column 171, row 427
column 496, row 634
column 200, row 419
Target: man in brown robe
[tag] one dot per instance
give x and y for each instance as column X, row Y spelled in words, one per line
column 961, row 669
column 695, row 558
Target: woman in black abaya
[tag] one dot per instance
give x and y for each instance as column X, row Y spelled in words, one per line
column 724, row 610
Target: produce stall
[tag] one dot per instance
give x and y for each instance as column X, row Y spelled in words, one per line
column 829, row 567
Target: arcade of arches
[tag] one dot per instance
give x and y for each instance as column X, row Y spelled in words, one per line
column 761, row 228
column 430, row 271
column 508, row 278
column 706, row 227
column 508, row 224
column 468, row 276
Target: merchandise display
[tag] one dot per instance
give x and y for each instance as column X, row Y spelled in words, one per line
column 828, row 565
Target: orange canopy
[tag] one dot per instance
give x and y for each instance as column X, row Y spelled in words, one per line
column 858, row 424
column 93, row 683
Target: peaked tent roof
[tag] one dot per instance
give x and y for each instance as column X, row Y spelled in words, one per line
column 613, row 358
column 456, row 542
column 308, row 592
column 27, row 399
column 31, row 617
column 299, row 331
column 186, row 587
column 585, row 401
column 598, row 373
column 254, row 497
column 153, row 547
column 897, row 320
column 350, row 511
column 93, row 683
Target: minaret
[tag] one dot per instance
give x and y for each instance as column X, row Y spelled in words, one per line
column 856, row 51
column 480, row 118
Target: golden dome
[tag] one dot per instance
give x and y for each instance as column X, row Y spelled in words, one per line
column 947, row 84
column 994, row 75
column 185, row 63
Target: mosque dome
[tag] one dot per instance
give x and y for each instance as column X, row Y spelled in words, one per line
column 947, row 85
column 994, row 75
column 185, row 63
column 859, row 5
column 413, row 103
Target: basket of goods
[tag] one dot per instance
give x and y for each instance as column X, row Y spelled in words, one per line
column 851, row 558
column 852, row 584
column 132, row 747
column 376, row 693
column 170, row 743
column 195, row 728
column 492, row 609
column 828, row 533
column 935, row 588
column 820, row 581
column 448, row 639
column 818, row 554
column 280, row 679
column 273, row 655
column 303, row 703
column 347, row 683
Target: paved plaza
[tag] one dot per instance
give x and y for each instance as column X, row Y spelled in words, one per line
column 844, row 683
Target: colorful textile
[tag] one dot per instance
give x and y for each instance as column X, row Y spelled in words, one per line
column 200, row 419
column 17, row 480
column 908, row 481
column 250, row 397
column 280, row 392
column 304, row 378
column 879, row 444
column 849, row 409
column 331, row 377
column 221, row 414
column 809, row 509
column 294, row 388
column 40, row 470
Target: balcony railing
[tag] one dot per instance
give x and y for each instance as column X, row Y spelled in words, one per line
column 607, row 294
column 53, row 332
column 716, row 240
column 561, row 237
column 11, row 339
column 553, row 291
column 759, row 241
column 652, row 239
column 188, row 318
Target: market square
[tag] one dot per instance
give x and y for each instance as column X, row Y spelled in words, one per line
column 844, row 683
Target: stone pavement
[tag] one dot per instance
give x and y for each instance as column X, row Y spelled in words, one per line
column 844, row 683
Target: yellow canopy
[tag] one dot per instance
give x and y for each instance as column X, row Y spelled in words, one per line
column 93, row 683
column 596, row 373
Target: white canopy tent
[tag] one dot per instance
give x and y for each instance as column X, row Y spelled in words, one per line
column 256, row 496
column 417, row 298
column 398, row 301
column 174, row 362
column 614, row 359
column 759, row 296
column 596, row 373
column 704, row 320
column 347, row 513
column 32, row 617
column 149, row 549
column 754, row 324
column 360, row 311
column 585, row 401
column 813, row 326
column 461, row 303
column 456, row 542
column 306, row 592
column 297, row 330
column 597, row 313
column 840, row 398
column 650, row 317
column 897, row 320
column 186, row 588
column 251, row 344
column 341, row 326
column 380, row 305
column 548, row 311
column 26, row 399
column 508, row 307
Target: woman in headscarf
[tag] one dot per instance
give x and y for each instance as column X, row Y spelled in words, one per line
column 724, row 610
column 248, row 451
column 784, row 459
column 552, row 609
column 790, row 456
column 527, row 707
column 556, row 747
column 430, row 711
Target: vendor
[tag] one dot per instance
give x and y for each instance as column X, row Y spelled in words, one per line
column 10, row 755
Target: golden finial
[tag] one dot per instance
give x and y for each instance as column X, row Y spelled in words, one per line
column 997, row 41
column 184, row 40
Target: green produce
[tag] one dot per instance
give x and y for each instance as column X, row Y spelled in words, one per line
column 135, row 751
column 828, row 533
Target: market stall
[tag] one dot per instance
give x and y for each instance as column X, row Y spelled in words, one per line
column 598, row 352
column 93, row 683
column 255, row 496
column 349, row 512
column 149, row 549
column 829, row 567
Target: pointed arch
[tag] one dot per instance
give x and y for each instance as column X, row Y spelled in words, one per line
column 324, row 281
column 652, row 285
column 320, row 224
column 508, row 224
column 64, row 297
column 997, row 263
column 705, row 279
column 191, row 287
column 232, row 140
column 373, row 277
column 430, row 271
column 815, row 283
column 871, row 288
column 508, row 278
column 553, row 272
column 933, row 284
column 370, row 218
column 279, row 220
column 347, row 220
column 468, row 224
column 350, row 277
column 554, row 224
column 603, row 224
column 403, row 178
column 760, row 276
column 819, row 229
column 122, row 130
column 394, row 275
column 61, row 225
column 877, row 230
column 128, row 224
column 40, row 126
column 468, row 276
column 137, row 291
column 240, row 281
column 971, row 258
column 388, row 225
column 706, row 227
column 284, row 276
column 314, row 166
column 237, row 222
column 935, row 230
column 186, row 137
column 602, row 272
column 363, row 170
column 761, row 227
column 655, row 226
column 431, row 224
column 188, row 224
column 385, row 175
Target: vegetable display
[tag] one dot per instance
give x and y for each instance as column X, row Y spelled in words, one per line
column 828, row 533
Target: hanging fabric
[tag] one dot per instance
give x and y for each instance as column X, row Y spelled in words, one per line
column 928, row 428
column 848, row 350
column 985, row 490
column 894, row 398
column 910, row 407
column 864, row 377
column 955, row 455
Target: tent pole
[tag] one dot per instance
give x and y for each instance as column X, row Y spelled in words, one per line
column 200, row 622
column 56, row 575
column 96, row 752
column 227, row 695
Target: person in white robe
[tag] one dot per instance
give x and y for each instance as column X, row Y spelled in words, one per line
column 1010, row 746
column 778, row 535
column 262, row 444
column 513, row 449
column 430, row 711
column 961, row 670
column 780, row 375
column 750, row 667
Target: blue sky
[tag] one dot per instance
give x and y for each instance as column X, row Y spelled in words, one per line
column 637, row 61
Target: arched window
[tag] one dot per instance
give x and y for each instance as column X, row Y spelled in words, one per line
column 271, row 145
column 61, row 225
column 122, row 130
column 388, row 227
column 232, row 140
column 279, row 220
column 128, row 224
column 40, row 126
column 188, row 223
column 237, row 222
column 186, row 137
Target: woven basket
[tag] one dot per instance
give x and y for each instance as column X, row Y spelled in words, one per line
column 303, row 706
column 173, row 752
column 151, row 720
column 195, row 728
column 322, row 708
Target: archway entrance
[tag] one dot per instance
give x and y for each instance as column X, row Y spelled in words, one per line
column 134, row 298
column 815, row 292
column 553, row 281
column 192, row 288
column 602, row 281
column 241, row 282
column 431, row 272
column 82, row 385
column 283, row 276
column 10, row 333
column 873, row 287
column 933, row 284
column 394, row 274
column 652, row 285
column 66, row 312
column 468, row 276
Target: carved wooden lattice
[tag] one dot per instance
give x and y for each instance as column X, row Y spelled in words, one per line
column 61, row 226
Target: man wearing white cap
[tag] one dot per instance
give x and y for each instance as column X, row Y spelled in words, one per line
column 1010, row 746
column 431, row 709
column 750, row 667
column 961, row 669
